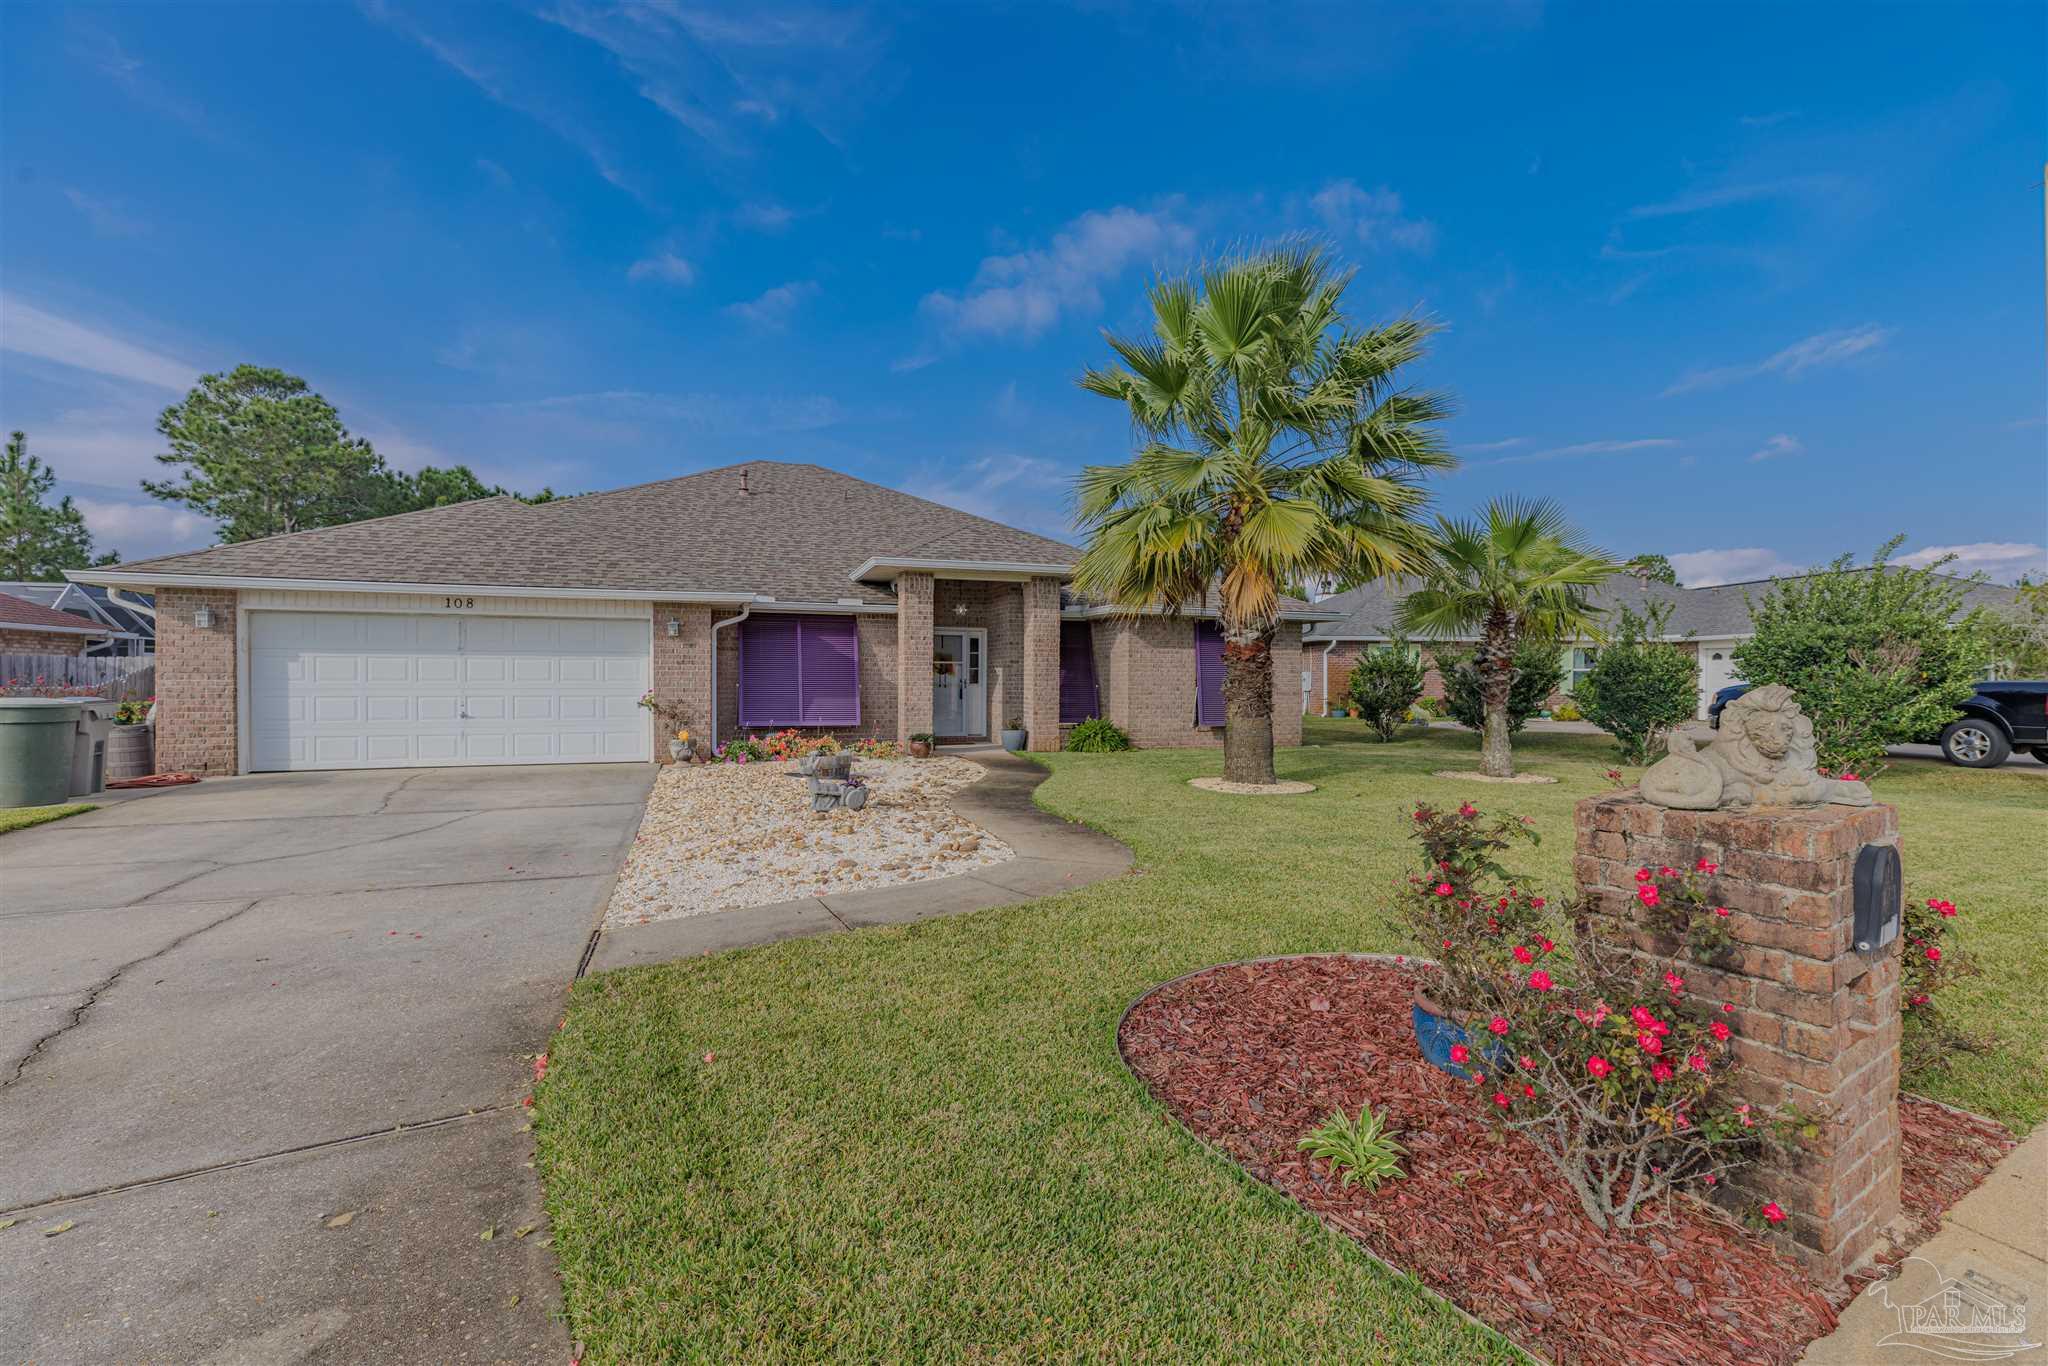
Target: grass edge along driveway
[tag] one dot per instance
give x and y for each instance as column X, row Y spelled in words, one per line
column 920, row 1142
column 22, row 817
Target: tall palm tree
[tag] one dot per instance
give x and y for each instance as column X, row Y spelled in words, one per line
column 1273, row 448
column 1520, row 572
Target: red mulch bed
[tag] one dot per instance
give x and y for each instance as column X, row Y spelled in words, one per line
column 1252, row 1056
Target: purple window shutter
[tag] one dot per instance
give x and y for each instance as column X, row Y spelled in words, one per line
column 770, row 672
column 829, row 651
column 1208, row 674
column 1078, row 697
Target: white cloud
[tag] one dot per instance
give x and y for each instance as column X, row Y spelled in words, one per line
column 1017, row 490
column 1373, row 217
column 1705, row 568
column 918, row 360
column 1643, row 443
column 29, row 331
column 1811, row 353
column 106, row 218
column 99, row 446
column 1025, row 293
column 140, row 530
column 1780, row 445
column 2001, row 561
column 665, row 266
column 772, row 311
column 1721, row 196
column 1492, row 445
column 764, row 215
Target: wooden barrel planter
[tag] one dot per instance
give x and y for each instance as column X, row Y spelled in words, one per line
column 131, row 752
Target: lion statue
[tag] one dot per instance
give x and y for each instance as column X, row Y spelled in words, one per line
column 1762, row 757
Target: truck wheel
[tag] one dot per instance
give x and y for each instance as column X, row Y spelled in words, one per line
column 1975, row 744
column 2040, row 752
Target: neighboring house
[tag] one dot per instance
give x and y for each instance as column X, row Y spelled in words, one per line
column 749, row 599
column 134, row 620
column 1705, row 622
column 29, row 628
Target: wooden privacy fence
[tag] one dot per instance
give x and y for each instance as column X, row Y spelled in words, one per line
column 117, row 677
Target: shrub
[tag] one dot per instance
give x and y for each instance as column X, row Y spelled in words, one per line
column 1567, row 711
column 1928, row 963
column 1357, row 1150
column 1431, row 706
column 1097, row 736
column 1385, row 682
column 1618, row 1077
column 744, row 750
column 874, row 747
column 1876, row 656
column 1640, row 686
column 1539, row 668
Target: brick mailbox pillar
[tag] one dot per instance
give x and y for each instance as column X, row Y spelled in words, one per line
column 1816, row 1022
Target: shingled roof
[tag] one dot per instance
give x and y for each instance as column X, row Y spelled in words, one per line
column 19, row 614
column 793, row 532
column 1708, row 613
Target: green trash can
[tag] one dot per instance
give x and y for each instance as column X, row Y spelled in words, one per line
column 36, row 736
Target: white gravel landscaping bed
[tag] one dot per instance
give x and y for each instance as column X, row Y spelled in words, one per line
column 721, row 836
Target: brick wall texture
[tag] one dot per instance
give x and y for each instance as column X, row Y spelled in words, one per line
column 195, row 682
column 1816, row 1023
column 14, row 640
column 1145, row 668
column 1041, row 666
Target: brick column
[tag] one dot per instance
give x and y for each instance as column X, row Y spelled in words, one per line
column 1041, row 690
column 682, row 672
column 913, row 654
column 195, row 682
column 1816, row 1023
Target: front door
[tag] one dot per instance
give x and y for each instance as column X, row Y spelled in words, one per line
column 1717, row 670
column 959, row 694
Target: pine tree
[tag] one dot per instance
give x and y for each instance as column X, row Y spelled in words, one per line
column 39, row 539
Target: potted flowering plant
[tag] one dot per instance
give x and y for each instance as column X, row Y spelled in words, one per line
column 921, row 745
column 1013, row 734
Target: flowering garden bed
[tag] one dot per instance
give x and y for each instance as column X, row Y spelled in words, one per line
column 1251, row 1057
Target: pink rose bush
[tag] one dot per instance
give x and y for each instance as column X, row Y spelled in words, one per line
column 1623, row 1079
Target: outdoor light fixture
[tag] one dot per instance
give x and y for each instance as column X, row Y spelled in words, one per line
column 203, row 618
column 675, row 627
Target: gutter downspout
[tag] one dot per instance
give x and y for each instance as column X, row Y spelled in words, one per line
column 717, row 626
column 1326, row 674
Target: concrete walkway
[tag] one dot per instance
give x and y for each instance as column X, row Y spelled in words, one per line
column 1053, row 856
column 1994, row 1244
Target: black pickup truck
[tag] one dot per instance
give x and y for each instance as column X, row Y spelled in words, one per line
column 1999, row 719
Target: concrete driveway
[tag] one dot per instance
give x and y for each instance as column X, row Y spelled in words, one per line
column 233, row 1012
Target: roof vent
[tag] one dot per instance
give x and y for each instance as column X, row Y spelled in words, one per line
column 744, row 490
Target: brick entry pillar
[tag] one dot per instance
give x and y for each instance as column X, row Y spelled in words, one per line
column 1042, row 662
column 913, row 654
column 1816, row 1023
column 682, row 672
column 195, row 682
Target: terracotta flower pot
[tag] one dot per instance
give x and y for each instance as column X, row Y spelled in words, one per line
column 920, row 749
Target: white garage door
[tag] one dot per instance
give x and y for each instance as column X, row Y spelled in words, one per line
column 400, row 690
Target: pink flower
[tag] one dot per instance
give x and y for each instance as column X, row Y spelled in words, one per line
column 1537, row 902
column 1460, row 1053
column 1697, row 1062
column 1850, row 778
column 1933, row 954
column 1708, row 866
column 1444, row 889
column 1545, row 944
column 1648, row 894
column 1747, row 1122
column 1662, row 1072
column 1498, row 1024
column 1528, row 1090
column 1598, row 1066
column 1674, row 982
column 1710, row 1178
column 1667, row 872
column 1922, row 999
column 1528, row 1063
column 1468, row 810
column 1719, row 1029
column 1644, row 875
column 1721, row 911
column 1727, row 1007
column 1500, row 1098
column 1523, row 956
column 1539, row 980
column 1649, row 1043
column 1774, row 1212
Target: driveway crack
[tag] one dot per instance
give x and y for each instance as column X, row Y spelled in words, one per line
column 99, row 988
column 299, row 853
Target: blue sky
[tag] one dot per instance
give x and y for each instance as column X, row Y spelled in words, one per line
column 1752, row 286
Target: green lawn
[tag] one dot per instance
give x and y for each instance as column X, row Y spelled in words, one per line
column 921, row 1142
column 22, row 817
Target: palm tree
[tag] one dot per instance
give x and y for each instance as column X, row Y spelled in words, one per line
column 1521, row 572
column 1274, row 448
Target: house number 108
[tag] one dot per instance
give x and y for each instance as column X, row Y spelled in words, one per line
column 458, row 602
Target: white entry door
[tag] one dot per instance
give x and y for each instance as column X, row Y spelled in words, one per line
column 405, row 690
column 1717, row 669
column 959, row 693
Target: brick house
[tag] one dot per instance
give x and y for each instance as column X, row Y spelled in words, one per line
column 29, row 628
column 745, row 599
